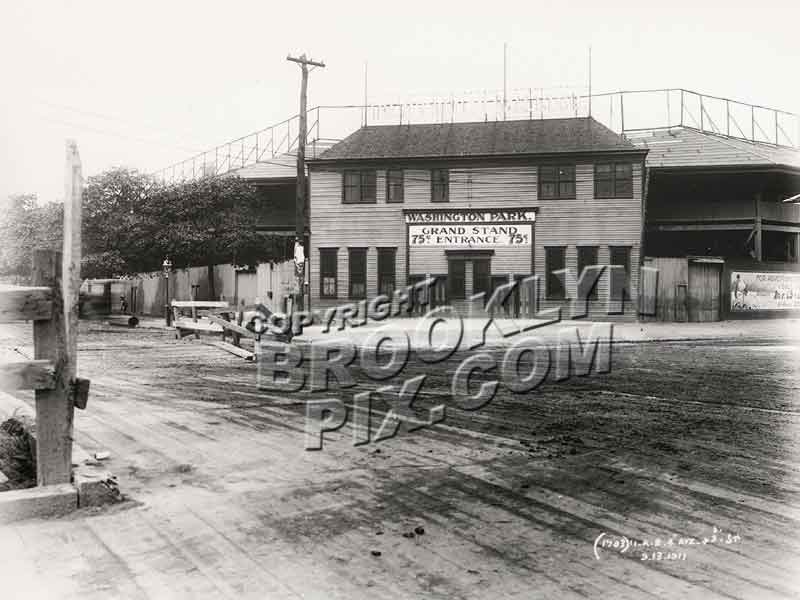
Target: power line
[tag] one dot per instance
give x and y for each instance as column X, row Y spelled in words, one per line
column 116, row 134
column 107, row 117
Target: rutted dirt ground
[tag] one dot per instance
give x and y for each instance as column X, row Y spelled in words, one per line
column 679, row 438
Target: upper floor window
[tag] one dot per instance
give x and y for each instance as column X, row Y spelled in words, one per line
column 359, row 187
column 440, row 185
column 394, row 185
column 613, row 180
column 557, row 181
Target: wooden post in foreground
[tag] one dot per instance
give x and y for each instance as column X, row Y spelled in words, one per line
column 53, row 407
column 56, row 339
column 71, row 265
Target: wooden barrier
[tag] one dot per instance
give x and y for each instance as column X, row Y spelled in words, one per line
column 194, row 323
column 52, row 305
column 217, row 318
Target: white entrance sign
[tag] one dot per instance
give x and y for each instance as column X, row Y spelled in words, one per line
column 469, row 236
column 470, row 216
column 764, row 291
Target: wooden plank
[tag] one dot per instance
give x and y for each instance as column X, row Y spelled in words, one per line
column 234, row 350
column 25, row 303
column 229, row 325
column 27, row 375
column 53, row 409
column 189, row 325
column 199, row 304
column 681, row 312
column 648, row 293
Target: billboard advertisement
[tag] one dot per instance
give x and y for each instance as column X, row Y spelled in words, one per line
column 764, row 291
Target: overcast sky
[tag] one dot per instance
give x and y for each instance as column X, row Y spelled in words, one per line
column 144, row 84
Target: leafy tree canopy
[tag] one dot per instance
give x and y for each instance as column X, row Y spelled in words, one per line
column 25, row 225
column 132, row 222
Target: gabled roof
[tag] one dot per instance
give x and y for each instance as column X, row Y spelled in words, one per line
column 684, row 147
column 493, row 138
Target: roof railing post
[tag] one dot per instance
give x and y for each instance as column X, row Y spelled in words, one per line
column 702, row 110
column 681, row 108
column 530, row 103
column 727, row 118
column 669, row 116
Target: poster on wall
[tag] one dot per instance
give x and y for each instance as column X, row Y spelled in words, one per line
column 469, row 236
column 764, row 291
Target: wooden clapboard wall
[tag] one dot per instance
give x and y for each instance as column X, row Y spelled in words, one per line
column 584, row 220
column 671, row 297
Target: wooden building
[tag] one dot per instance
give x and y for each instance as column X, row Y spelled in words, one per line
column 275, row 181
column 474, row 204
column 717, row 228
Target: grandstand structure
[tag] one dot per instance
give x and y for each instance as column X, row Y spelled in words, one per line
column 272, row 151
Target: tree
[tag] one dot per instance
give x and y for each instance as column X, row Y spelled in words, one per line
column 211, row 220
column 25, row 226
column 116, row 223
column 132, row 222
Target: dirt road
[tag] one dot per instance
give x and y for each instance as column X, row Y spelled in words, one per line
column 677, row 440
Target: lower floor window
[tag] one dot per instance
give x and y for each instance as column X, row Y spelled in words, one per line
column 587, row 256
column 386, row 270
column 481, row 277
column 555, row 259
column 327, row 272
column 621, row 256
column 358, row 273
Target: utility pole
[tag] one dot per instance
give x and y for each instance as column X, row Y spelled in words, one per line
column 590, row 82
column 300, row 200
column 505, row 92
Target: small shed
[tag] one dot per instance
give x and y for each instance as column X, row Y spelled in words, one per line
column 100, row 297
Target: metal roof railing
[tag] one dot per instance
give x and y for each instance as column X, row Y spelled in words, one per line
column 623, row 111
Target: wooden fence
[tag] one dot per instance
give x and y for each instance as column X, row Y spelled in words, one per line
column 52, row 305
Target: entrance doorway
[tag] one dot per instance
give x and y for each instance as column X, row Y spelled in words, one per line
column 705, row 279
column 467, row 275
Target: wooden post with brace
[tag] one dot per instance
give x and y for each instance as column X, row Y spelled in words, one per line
column 56, row 339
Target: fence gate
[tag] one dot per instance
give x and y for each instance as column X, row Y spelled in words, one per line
column 705, row 279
